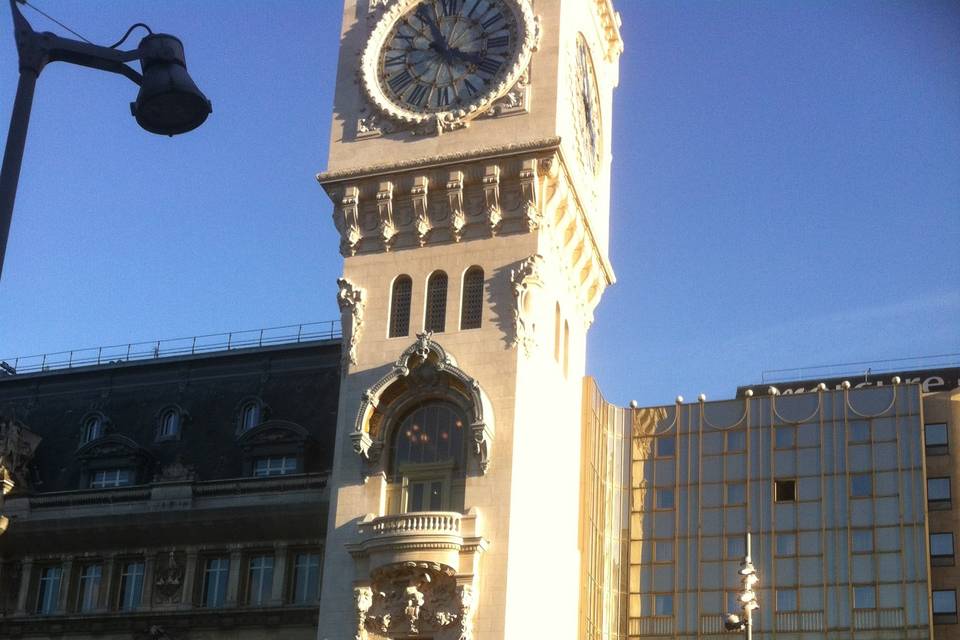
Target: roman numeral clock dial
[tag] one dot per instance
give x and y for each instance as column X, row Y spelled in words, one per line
column 445, row 61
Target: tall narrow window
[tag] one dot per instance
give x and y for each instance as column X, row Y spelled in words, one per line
column 471, row 308
column 400, row 307
column 435, row 318
column 306, row 578
column 89, row 592
column 260, row 584
column 249, row 415
column 48, row 591
column 556, row 333
column 92, row 429
column 215, row 581
column 169, row 424
column 131, row 586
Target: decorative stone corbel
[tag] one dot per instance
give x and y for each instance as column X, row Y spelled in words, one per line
column 458, row 219
column 491, row 196
column 421, row 220
column 346, row 221
column 387, row 229
column 528, row 192
column 351, row 303
column 364, row 600
column 524, row 280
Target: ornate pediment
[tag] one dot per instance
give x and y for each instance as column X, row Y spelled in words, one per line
column 112, row 446
column 274, row 432
column 423, row 370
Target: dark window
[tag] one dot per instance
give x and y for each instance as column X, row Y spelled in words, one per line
column 88, row 594
column 736, row 440
column 92, row 429
column 436, row 315
column 215, row 575
column 945, row 602
column 861, row 540
column 169, row 425
column 400, row 307
column 107, row 478
column 865, row 597
column 48, row 590
column 275, row 466
column 785, row 490
column 858, row 432
column 938, row 490
column 260, row 582
column 131, row 586
column 941, row 549
column 306, row 578
column 784, row 436
column 249, row 415
column 663, row 499
column 471, row 309
column 861, row 485
column 937, row 439
column 429, row 434
column 666, row 446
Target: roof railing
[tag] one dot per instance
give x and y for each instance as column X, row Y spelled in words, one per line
column 172, row 347
column 861, row 369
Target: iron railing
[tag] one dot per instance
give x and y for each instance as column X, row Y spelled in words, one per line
column 170, row 347
column 868, row 367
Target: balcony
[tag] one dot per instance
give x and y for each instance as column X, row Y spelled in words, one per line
column 445, row 538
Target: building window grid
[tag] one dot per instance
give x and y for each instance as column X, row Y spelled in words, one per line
column 306, row 577
column 109, row 478
column 215, row 573
column 88, row 593
column 275, row 466
column 260, row 579
column 864, row 596
column 131, row 586
column 48, row 589
column 400, row 307
column 435, row 317
column 471, row 307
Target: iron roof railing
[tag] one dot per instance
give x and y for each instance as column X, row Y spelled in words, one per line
column 867, row 367
column 171, row 347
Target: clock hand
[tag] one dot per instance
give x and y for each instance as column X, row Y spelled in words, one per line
column 424, row 15
column 472, row 58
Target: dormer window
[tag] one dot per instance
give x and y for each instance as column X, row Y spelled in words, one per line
column 93, row 428
column 169, row 424
column 275, row 466
column 108, row 478
column 250, row 414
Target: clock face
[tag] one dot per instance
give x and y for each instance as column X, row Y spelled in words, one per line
column 448, row 58
column 587, row 106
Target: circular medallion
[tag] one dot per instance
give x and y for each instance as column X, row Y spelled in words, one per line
column 446, row 60
column 586, row 102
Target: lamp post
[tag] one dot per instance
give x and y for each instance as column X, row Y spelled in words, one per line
column 168, row 102
column 747, row 598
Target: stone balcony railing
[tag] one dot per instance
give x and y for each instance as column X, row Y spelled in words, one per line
column 405, row 524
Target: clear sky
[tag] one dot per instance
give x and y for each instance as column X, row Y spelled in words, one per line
column 786, row 188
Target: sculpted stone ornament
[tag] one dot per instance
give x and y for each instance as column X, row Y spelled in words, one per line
column 169, row 581
column 526, row 280
column 491, row 196
column 387, row 229
column 414, row 598
column 419, row 202
column 350, row 299
column 17, row 448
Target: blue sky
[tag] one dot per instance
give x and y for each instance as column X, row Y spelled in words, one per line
column 786, row 188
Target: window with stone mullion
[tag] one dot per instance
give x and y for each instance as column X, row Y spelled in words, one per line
column 436, row 315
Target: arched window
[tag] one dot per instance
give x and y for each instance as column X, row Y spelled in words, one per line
column 427, row 462
column 435, row 319
column 249, row 415
column 400, row 306
column 471, row 306
column 169, row 427
column 92, row 429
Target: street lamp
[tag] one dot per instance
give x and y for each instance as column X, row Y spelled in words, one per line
column 168, row 103
column 747, row 598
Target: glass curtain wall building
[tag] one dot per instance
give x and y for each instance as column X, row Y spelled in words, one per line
column 830, row 484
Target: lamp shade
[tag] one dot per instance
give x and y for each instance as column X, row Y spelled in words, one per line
column 169, row 101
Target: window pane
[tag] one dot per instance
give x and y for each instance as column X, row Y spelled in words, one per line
column 48, row 590
column 785, row 435
column 786, row 544
column 436, row 315
column 733, row 602
column 260, row 580
column 736, row 493
column 941, row 544
column 945, row 601
column 736, row 440
column 785, row 490
column 666, row 446
column 275, row 466
column 431, row 433
column 664, row 499
column 861, row 485
column 131, row 586
column 663, row 605
column 170, row 424
column 306, row 578
column 471, row 309
column 861, row 540
column 663, row 551
column 935, row 434
column 736, row 547
column 864, row 598
column 786, row 599
column 938, row 489
column 415, row 502
column 215, row 581
column 858, row 432
column 89, row 594
column 249, row 416
column 400, row 307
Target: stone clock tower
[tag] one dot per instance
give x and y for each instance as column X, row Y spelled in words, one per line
column 469, row 170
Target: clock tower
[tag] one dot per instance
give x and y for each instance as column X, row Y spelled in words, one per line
column 469, row 170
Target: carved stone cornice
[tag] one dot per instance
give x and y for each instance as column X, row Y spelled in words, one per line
column 610, row 22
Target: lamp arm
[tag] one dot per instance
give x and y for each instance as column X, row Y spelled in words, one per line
column 37, row 49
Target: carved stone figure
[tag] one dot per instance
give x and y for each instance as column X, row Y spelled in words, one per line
column 350, row 299
column 168, row 584
column 524, row 280
column 17, row 446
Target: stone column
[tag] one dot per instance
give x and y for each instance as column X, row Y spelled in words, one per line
column 280, row 562
column 26, row 575
column 66, row 578
column 109, row 569
column 189, row 575
column 149, row 569
column 233, row 578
